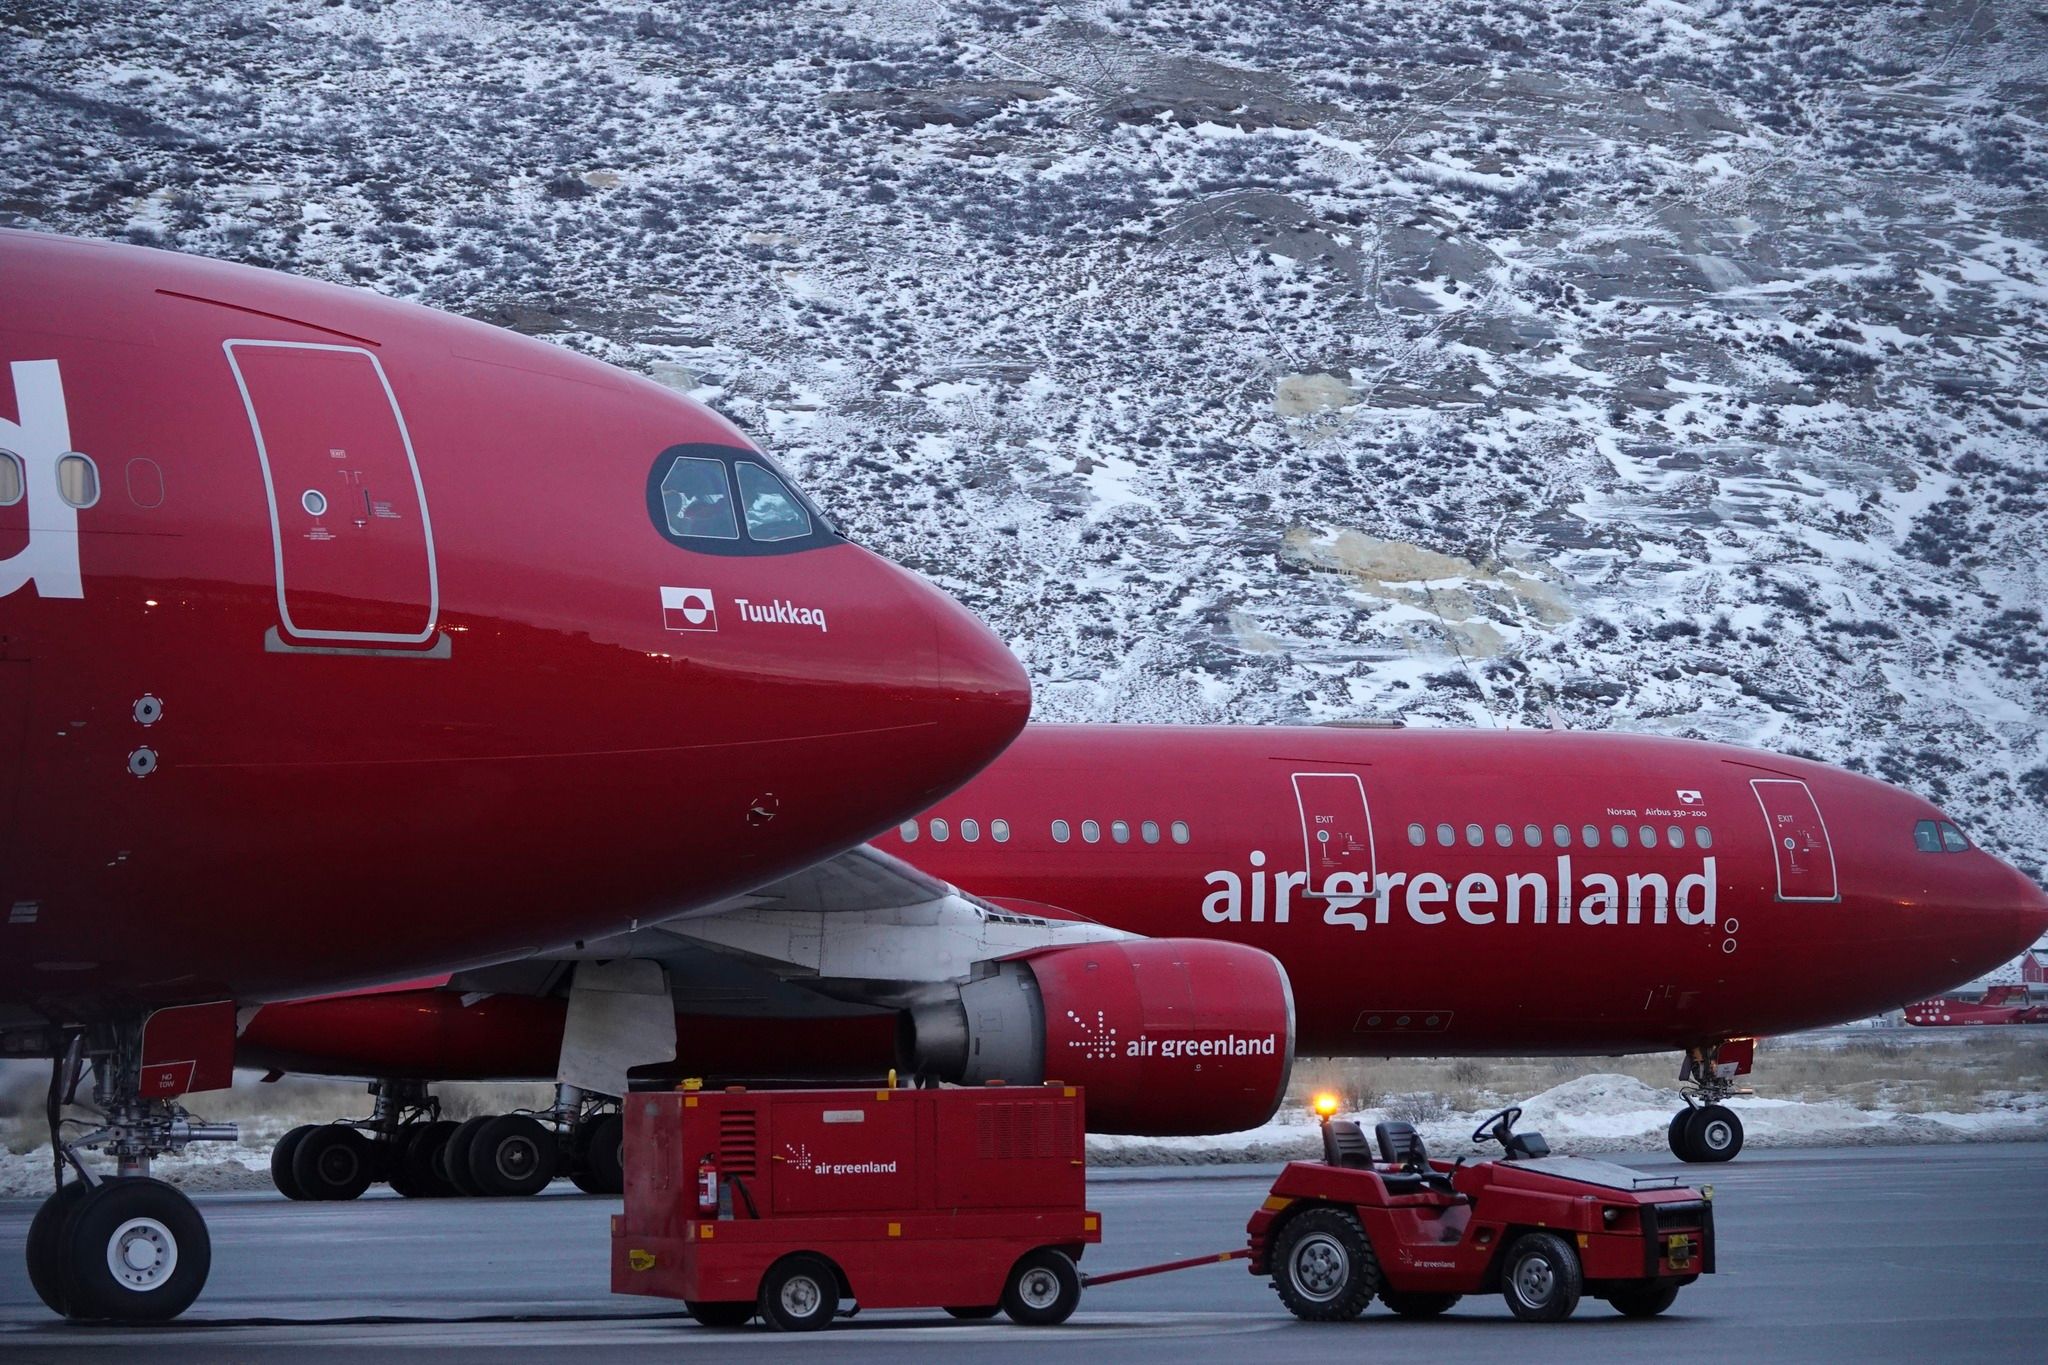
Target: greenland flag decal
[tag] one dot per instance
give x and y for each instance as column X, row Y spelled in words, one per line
column 688, row 609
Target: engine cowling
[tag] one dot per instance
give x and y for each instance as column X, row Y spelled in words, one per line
column 1169, row 1036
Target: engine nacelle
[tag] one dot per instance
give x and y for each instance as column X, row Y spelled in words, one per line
column 1168, row 1035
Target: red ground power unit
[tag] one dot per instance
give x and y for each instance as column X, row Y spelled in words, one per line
column 784, row 1203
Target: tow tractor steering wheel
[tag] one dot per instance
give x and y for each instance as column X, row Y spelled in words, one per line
column 1499, row 1126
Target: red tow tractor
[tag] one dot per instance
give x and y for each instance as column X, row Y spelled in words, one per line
column 786, row 1204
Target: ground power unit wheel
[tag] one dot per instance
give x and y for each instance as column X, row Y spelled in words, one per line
column 1043, row 1289
column 1643, row 1300
column 1323, row 1266
column 720, row 1313
column 132, row 1250
column 1541, row 1278
column 799, row 1293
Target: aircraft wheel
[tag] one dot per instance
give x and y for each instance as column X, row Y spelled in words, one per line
column 977, row 1314
column 133, row 1251
column 455, row 1157
column 1418, row 1305
column 799, row 1293
column 44, row 1233
column 1541, row 1279
column 1043, row 1290
column 720, row 1314
column 513, row 1154
column 1674, row 1136
column 281, row 1162
column 1713, row 1134
column 425, row 1177
column 1323, row 1266
column 333, row 1162
column 601, row 1156
column 1643, row 1300
column 391, row 1159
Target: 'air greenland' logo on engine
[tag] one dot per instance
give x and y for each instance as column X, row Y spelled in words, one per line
column 1554, row 896
column 1096, row 1041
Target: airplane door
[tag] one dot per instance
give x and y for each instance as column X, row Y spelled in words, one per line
column 348, row 510
column 1336, row 831
column 1799, row 840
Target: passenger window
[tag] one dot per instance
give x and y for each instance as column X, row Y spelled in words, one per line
column 1619, row 833
column 1090, row 831
column 1446, row 836
column 1926, row 837
column 907, row 831
column 1532, row 835
column 1649, row 833
column 1061, row 832
column 1702, row 837
column 12, row 481
column 938, row 831
column 1180, row 831
column 78, row 482
column 1561, row 835
column 773, row 513
column 697, row 500
column 970, row 831
column 1504, row 836
column 1952, row 839
column 1474, row 835
column 1120, row 831
column 1417, row 836
column 1150, row 831
column 999, row 830
column 1675, row 837
column 1591, row 835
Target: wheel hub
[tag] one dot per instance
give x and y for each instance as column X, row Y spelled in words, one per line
column 1039, row 1288
column 1319, row 1268
column 801, row 1296
column 142, row 1254
column 1534, row 1282
column 517, row 1158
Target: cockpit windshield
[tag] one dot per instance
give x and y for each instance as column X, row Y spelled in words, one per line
column 731, row 500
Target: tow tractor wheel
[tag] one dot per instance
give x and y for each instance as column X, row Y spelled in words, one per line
column 42, row 1243
column 1323, row 1266
column 334, row 1162
column 1043, row 1290
column 513, row 1154
column 455, row 1157
column 720, row 1314
column 1418, row 1305
column 1643, row 1300
column 1713, row 1133
column 600, row 1156
column 425, row 1178
column 281, row 1162
column 132, row 1251
column 799, row 1293
column 1541, row 1279
column 977, row 1314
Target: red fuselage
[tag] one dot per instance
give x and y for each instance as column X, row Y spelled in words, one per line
column 342, row 640
column 1773, row 895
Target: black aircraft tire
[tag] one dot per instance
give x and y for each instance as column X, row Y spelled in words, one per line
column 513, row 1155
column 1324, row 1269
column 425, row 1177
column 1674, row 1136
column 333, row 1162
column 455, row 1157
column 281, row 1162
column 133, row 1251
column 604, row 1155
column 44, row 1234
column 1713, row 1134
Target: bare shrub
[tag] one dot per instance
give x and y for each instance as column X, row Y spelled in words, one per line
column 1468, row 1071
column 1418, row 1106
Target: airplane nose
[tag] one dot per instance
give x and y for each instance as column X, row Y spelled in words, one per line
column 2032, row 914
column 983, row 690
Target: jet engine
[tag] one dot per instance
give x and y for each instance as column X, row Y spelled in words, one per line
column 1168, row 1035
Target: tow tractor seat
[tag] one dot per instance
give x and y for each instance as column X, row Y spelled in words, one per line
column 1401, row 1145
column 1344, row 1144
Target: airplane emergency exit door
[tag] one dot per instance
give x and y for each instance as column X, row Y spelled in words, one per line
column 1799, row 840
column 348, row 509
column 1336, row 831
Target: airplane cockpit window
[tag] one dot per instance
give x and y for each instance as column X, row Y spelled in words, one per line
column 772, row 512
column 696, row 500
column 12, row 481
column 1952, row 839
column 1926, row 837
column 731, row 500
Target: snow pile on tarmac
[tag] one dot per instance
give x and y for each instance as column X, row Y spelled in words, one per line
column 1598, row 1113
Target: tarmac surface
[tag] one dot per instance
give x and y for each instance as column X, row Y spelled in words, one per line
column 1869, row 1253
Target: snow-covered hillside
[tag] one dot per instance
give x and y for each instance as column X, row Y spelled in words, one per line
column 1677, row 366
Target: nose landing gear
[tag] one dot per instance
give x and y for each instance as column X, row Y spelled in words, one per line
column 1707, row 1130
column 122, row 1248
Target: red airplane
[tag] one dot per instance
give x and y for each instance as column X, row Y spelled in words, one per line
column 1419, row 892
column 342, row 640
column 2010, row 1002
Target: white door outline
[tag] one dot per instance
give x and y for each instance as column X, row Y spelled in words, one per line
column 270, row 493
column 1308, row 852
column 1756, row 786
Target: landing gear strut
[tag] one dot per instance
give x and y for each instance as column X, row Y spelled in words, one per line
column 125, row 1248
column 1707, row 1130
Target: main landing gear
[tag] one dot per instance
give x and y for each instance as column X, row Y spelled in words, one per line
column 406, row 1144
column 1707, row 1130
column 122, row 1248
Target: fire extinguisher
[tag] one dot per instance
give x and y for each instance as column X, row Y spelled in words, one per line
column 707, row 1184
